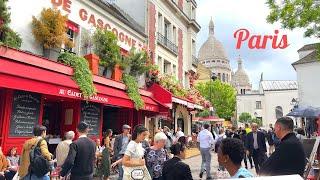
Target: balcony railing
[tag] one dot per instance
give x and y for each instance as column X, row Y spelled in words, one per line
column 195, row 61
column 164, row 41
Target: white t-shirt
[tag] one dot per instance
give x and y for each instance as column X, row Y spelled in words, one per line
column 135, row 151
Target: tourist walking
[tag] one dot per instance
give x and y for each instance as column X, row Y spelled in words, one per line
column 156, row 155
column 134, row 165
column 230, row 155
column 243, row 137
column 256, row 146
column 104, row 169
column 120, row 145
column 271, row 137
column 289, row 157
column 169, row 140
column 206, row 141
column 13, row 163
column 63, row 148
column 175, row 169
column 26, row 169
column 81, row 157
column 179, row 134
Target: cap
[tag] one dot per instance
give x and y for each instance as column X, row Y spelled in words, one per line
column 126, row 126
column 82, row 126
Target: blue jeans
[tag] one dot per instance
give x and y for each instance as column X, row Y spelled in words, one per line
column 34, row 177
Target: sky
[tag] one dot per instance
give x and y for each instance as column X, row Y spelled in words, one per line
column 229, row 16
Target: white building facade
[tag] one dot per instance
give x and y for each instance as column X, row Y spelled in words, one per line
column 273, row 100
column 308, row 68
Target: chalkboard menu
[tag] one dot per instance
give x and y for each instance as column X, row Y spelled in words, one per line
column 25, row 113
column 91, row 114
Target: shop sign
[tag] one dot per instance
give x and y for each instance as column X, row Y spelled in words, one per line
column 74, row 94
column 94, row 20
column 149, row 108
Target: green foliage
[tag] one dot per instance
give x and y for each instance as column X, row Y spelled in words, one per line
column 257, row 121
column 245, row 117
column 138, row 61
column 296, row 14
column 81, row 73
column 221, row 95
column 204, row 113
column 106, row 47
column 7, row 35
column 133, row 90
column 170, row 83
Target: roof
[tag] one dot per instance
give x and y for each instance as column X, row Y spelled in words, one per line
column 309, row 47
column 121, row 15
column 312, row 57
column 279, row 85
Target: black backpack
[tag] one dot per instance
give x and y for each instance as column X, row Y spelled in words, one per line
column 39, row 165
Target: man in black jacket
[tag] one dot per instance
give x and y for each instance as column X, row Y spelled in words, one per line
column 81, row 156
column 256, row 146
column 289, row 157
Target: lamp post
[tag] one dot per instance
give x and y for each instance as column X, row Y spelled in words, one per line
column 213, row 78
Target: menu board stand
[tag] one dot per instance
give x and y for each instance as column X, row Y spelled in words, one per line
column 91, row 114
column 312, row 158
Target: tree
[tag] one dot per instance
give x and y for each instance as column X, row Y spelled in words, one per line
column 245, row 117
column 257, row 121
column 221, row 95
column 296, row 14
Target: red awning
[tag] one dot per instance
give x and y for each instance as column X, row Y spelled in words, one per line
column 25, row 71
column 73, row 26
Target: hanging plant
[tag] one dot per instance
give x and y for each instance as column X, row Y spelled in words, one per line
column 7, row 35
column 170, row 83
column 133, row 90
column 139, row 62
column 50, row 29
column 81, row 73
column 204, row 113
column 106, row 47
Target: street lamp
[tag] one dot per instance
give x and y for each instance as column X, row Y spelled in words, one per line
column 294, row 102
column 213, row 78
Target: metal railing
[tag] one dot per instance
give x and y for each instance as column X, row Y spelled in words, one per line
column 195, row 61
column 164, row 41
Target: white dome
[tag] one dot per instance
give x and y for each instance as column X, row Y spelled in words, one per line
column 240, row 77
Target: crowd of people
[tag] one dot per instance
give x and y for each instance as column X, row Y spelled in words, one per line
column 133, row 156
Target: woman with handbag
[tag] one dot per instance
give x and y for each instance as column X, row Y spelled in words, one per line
column 134, row 165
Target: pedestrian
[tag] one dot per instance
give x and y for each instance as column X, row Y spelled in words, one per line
column 156, row 155
column 81, row 157
column 179, row 133
column 134, row 165
column 105, row 167
column 230, row 155
column 270, row 137
column 247, row 128
column 13, row 163
column 256, row 146
column 289, row 157
column 3, row 165
column 234, row 133
column 174, row 168
column 169, row 140
column 120, row 145
column 243, row 137
column 301, row 134
column 63, row 148
column 25, row 173
column 206, row 141
column 99, row 148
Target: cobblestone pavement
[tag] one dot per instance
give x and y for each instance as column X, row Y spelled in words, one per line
column 195, row 164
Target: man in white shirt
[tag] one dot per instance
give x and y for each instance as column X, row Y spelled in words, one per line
column 206, row 141
column 179, row 133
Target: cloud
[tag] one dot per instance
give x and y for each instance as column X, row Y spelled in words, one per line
column 231, row 15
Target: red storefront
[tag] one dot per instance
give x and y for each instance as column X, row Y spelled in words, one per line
column 36, row 90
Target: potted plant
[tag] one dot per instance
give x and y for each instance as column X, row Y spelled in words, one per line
column 106, row 47
column 50, row 31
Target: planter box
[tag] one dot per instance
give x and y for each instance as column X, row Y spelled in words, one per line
column 93, row 61
column 117, row 73
column 52, row 53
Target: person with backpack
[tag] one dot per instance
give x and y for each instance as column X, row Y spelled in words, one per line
column 82, row 155
column 35, row 156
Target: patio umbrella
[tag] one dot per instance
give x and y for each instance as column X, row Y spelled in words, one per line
column 309, row 112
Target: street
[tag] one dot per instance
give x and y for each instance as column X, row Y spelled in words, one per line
column 195, row 163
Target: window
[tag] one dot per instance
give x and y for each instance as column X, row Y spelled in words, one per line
column 207, row 62
column 223, row 77
column 166, row 29
column 174, row 70
column 243, row 91
column 174, row 35
column 193, row 47
column 219, row 76
column 193, row 13
column 71, row 37
column 160, row 64
column 218, row 61
column 279, row 112
column 258, row 105
column 166, row 67
column 160, row 23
